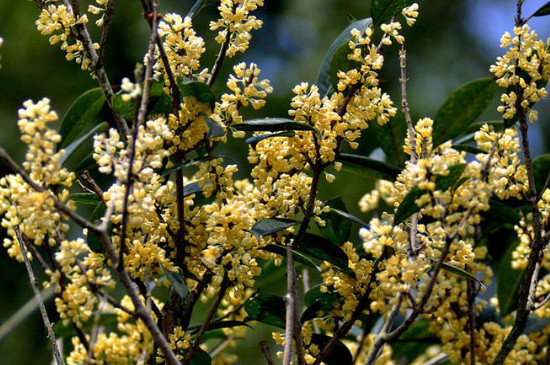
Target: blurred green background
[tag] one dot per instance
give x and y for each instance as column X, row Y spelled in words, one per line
column 452, row 43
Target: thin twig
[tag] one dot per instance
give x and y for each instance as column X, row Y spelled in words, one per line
column 43, row 312
column 472, row 319
column 92, row 184
column 267, row 352
column 206, row 322
column 99, row 72
column 219, row 59
column 107, row 19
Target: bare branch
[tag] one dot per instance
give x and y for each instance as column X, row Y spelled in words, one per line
column 267, row 353
column 43, row 312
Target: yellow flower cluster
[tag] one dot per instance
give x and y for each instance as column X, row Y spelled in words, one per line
column 182, row 46
column 246, row 89
column 149, row 205
column 100, row 9
column 20, row 205
column 130, row 345
column 523, row 71
column 236, row 23
column 59, row 22
column 81, row 270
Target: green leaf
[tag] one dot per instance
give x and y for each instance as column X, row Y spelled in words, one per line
column 508, row 281
column 272, row 125
column 81, row 149
column 408, row 206
column 337, row 229
column 487, row 315
column 459, row 272
column 254, row 140
column 199, row 90
column 543, row 10
column 390, row 137
column 298, row 256
column 176, row 279
column 541, row 170
column 197, row 7
column 340, row 62
column 85, row 198
column 414, row 342
column 201, row 357
column 349, row 217
column 126, row 109
column 444, row 182
column 316, row 302
column 368, row 167
column 268, row 309
column 462, row 108
column 340, row 354
column 324, row 79
column 214, row 128
column 383, row 10
column 269, row 226
column 86, row 112
column 498, row 125
column 323, row 249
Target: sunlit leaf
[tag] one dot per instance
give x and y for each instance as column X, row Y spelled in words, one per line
column 462, row 109
column 324, row 79
column 86, row 112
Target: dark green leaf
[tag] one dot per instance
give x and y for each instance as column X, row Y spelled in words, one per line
column 367, row 166
column 298, row 257
column 541, row 170
column 92, row 239
column 126, row 109
column 390, row 137
column 268, row 309
column 214, row 128
column 269, row 226
column 340, row 62
column 85, row 198
column 324, row 76
column 176, row 279
column 197, row 7
column 340, row 354
column 191, row 188
column 81, row 148
column 201, row 357
column 84, row 114
column 543, row 10
column 337, row 229
column 508, row 281
column 199, row 90
column 349, row 217
column 462, row 108
column 383, row 10
column 323, row 249
column 414, row 342
column 444, row 182
column 199, row 199
column 408, row 206
column 254, row 140
column 272, row 125
column 487, row 315
column 216, row 325
column 316, row 302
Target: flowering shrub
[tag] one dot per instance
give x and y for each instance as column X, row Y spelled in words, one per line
column 172, row 227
